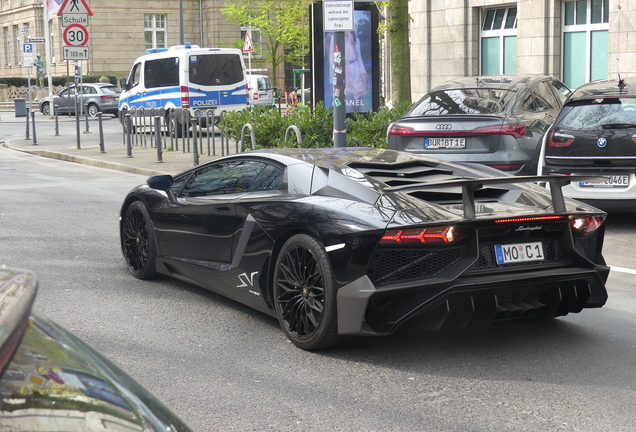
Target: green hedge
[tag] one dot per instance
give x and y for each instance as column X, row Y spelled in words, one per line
column 57, row 80
column 316, row 127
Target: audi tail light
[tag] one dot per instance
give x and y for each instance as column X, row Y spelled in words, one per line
column 106, row 97
column 560, row 139
column 401, row 130
column 516, row 130
column 437, row 235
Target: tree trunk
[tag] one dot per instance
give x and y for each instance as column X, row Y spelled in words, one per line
column 400, row 51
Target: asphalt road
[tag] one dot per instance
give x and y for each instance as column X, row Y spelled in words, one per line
column 222, row 366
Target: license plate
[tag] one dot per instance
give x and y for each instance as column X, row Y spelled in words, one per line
column 612, row 181
column 519, row 252
column 452, row 143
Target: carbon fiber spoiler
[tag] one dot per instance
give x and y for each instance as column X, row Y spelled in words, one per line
column 469, row 186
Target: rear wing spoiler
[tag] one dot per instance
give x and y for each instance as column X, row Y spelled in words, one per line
column 469, row 186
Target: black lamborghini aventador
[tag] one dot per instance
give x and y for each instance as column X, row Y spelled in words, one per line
column 339, row 242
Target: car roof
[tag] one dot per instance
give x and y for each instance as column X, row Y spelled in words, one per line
column 509, row 82
column 603, row 88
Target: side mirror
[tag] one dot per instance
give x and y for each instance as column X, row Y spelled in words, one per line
column 123, row 83
column 161, row 182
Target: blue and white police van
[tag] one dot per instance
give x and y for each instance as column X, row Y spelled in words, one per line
column 185, row 77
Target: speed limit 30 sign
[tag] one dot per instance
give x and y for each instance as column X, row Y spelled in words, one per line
column 75, row 35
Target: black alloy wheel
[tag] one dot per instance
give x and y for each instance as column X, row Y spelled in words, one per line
column 305, row 294
column 137, row 242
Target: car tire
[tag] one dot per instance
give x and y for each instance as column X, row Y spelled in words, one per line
column 138, row 242
column 45, row 109
column 92, row 110
column 304, row 289
column 122, row 120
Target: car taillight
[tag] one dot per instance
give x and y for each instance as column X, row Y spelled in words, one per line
column 402, row 130
column 106, row 97
column 185, row 97
column 529, row 219
column 587, row 225
column 516, row 130
column 422, row 236
column 560, row 139
column 506, row 167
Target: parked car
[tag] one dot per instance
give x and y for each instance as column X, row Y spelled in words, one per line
column 595, row 133
column 97, row 97
column 338, row 242
column 493, row 120
column 261, row 90
column 52, row 381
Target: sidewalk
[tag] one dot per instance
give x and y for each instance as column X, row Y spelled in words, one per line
column 144, row 158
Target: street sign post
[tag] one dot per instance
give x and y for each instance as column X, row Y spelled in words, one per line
column 75, row 35
column 27, row 50
column 38, row 40
column 75, row 53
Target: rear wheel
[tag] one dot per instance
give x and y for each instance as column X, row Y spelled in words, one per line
column 92, row 110
column 305, row 294
column 174, row 127
column 137, row 242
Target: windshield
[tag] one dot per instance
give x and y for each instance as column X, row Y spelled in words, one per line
column 216, row 69
column 463, row 101
column 595, row 113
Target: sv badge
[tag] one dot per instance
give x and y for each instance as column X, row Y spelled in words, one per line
column 246, row 281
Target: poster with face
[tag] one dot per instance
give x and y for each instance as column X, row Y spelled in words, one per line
column 358, row 64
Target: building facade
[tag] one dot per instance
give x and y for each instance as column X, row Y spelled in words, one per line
column 575, row 40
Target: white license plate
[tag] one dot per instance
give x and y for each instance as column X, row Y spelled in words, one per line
column 612, row 181
column 519, row 252
column 452, row 143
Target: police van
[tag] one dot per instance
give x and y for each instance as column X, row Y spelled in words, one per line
column 185, row 77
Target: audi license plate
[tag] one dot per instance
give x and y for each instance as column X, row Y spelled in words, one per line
column 612, row 181
column 451, row 143
column 519, row 252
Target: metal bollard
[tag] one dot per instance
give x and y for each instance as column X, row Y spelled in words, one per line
column 35, row 138
column 27, row 124
column 86, row 117
column 101, row 132
column 195, row 145
column 77, row 123
column 128, row 142
column 158, row 138
column 57, row 123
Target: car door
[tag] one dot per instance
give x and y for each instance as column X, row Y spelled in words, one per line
column 65, row 100
column 200, row 227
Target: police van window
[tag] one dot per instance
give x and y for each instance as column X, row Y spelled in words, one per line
column 135, row 75
column 216, row 69
column 161, row 73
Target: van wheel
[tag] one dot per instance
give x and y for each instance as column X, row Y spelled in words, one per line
column 122, row 119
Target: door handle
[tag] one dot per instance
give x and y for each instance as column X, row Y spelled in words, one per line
column 222, row 209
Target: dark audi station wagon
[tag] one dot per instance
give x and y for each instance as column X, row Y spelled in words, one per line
column 595, row 133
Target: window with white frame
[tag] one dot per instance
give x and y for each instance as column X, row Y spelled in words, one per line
column 255, row 37
column 585, row 41
column 155, row 31
column 498, row 41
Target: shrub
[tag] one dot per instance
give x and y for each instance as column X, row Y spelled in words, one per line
column 316, row 127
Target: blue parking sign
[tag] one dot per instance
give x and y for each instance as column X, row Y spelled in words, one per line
column 27, row 48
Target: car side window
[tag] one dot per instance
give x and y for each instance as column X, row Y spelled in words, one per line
column 561, row 90
column 528, row 102
column 135, row 75
column 232, row 177
column 545, row 98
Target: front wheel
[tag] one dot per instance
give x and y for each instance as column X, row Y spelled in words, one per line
column 138, row 242
column 175, row 129
column 46, row 109
column 305, row 294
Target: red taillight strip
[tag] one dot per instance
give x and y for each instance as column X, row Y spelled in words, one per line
column 530, row 219
column 439, row 235
column 516, row 130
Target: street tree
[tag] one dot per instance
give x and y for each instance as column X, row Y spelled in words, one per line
column 284, row 27
column 398, row 26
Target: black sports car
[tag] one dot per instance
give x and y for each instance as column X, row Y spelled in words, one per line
column 338, row 242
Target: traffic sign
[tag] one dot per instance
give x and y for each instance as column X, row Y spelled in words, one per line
column 75, row 18
column 37, row 40
column 75, row 35
column 77, row 6
column 248, row 46
column 27, row 48
column 338, row 15
column 75, row 53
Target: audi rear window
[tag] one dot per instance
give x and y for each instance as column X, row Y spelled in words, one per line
column 595, row 113
column 463, row 101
